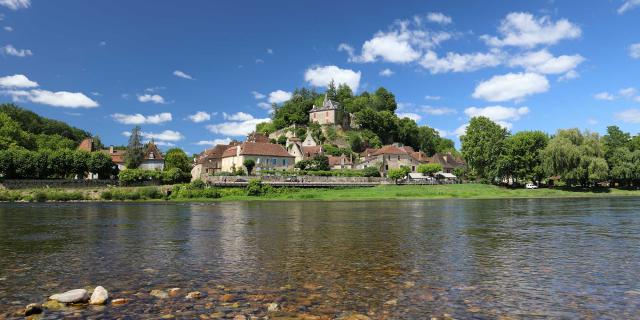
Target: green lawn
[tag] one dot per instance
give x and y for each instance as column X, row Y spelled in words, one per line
column 463, row 191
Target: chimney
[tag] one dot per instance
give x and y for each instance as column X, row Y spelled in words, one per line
column 110, row 149
column 238, row 148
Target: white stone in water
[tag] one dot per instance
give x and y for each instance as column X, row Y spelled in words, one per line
column 72, row 296
column 273, row 307
column 99, row 296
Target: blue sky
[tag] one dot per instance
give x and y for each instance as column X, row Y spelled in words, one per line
column 193, row 73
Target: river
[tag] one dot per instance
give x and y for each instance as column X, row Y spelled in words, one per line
column 465, row 259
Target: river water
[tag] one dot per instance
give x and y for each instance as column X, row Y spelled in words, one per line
column 464, row 259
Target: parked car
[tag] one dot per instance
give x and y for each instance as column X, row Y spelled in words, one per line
column 530, row 186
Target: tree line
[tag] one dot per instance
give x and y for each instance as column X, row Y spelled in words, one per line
column 571, row 156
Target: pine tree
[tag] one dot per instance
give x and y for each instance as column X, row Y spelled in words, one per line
column 135, row 149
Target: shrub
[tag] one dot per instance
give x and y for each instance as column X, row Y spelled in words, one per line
column 371, row 172
column 40, row 196
column 175, row 175
column 150, row 193
column 106, row 195
column 197, row 184
column 256, row 188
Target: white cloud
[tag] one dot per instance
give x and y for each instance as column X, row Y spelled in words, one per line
column 183, row 75
column 264, row 105
column 441, row 133
column 322, row 76
column 270, row 51
column 413, row 116
column 437, row 111
column 455, row 62
column 604, row 96
column 239, row 116
column 628, row 5
column 628, row 92
column 17, row 81
column 259, row 61
column 213, row 142
column 15, row 4
column 572, row 74
column 8, row 28
column 155, row 98
column 386, row 72
column 404, row 42
column 511, row 86
column 279, row 96
column 61, row 99
column 257, row 95
column 461, row 130
column 497, row 113
column 634, row 51
column 167, row 135
column 522, row 29
column 102, row 43
column 141, row 119
column 439, row 17
column 629, row 116
column 199, row 116
column 12, row 51
column 544, row 62
column 428, row 97
column 240, row 124
column 162, row 143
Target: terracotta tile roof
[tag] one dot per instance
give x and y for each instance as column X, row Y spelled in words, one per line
column 258, row 149
column 390, row 149
column 152, row 149
column 117, row 156
column 213, row 153
column 311, row 151
column 408, row 149
column 446, row 160
column 335, row 161
column 367, row 152
column 419, row 156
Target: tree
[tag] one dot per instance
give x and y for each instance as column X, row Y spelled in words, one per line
column 398, row 173
column 249, row 164
column 385, row 100
column 482, row 146
column 100, row 163
column 408, row 133
column 282, row 140
column 429, row 169
column 176, row 158
column 520, row 159
column 135, row 150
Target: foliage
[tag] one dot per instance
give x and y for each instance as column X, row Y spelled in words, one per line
column 296, row 110
column 282, row 140
column 255, row 187
column 176, row 158
column 520, row 158
column 398, row 173
column 131, row 176
column 100, row 163
column 429, row 169
column 371, row 172
column 174, row 175
column 33, row 124
column 135, row 154
column 482, row 145
column 16, row 163
column 249, row 164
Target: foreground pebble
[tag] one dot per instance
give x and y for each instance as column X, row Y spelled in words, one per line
column 32, row 309
column 99, row 296
column 71, row 296
column 159, row 294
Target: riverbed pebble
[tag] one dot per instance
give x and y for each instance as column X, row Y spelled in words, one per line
column 99, row 296
column 273, row 307
column 194, row 295
column 174, row 292
column 227, row 298
column 119, row 301
column 159, row 294
column 71, row 296
column 32, row 309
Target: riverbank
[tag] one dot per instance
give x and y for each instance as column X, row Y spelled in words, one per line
column 190, row 193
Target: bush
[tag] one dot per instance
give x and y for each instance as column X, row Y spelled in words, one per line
column 191, row 192
column 150, row 193
column 197, row 184
column 131, row 176
column 175, row 175
column 371, row 172
column 257, row 188
column 106, row 195
column 40, row 196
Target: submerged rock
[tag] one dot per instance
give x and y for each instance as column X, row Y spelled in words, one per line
column 273, row 307
column 227, row 298
column 71, row 296
column 32, row 309
column 118, row 302
column 99, row 296
column 174, row 292
column 194, row 295
column 159, row 294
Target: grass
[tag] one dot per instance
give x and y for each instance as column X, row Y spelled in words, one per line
column 383, row 192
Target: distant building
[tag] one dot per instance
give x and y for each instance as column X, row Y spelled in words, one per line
column 265, row 155
column 153, row 158
column 391, row 157
column 327, row 114
column 210, row 160
column 341, row 162
column 448, row 161
column 309, row 141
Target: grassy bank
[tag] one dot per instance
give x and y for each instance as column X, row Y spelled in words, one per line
column 189, row 193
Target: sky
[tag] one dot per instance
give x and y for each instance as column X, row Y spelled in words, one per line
column 196, row 73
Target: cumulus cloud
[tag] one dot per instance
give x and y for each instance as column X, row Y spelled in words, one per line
column 279, row 96
column 545, row 63
column 264, row 105
column 413, row 116
column 239, row 124
column 604, row 96
column 213, row 142
column 183, row 75
column 61, row 99
column 386, row 72
column 439, row 17
column 634, row 51
column 461, row 130
column 167, row 135
column 141, row 119
column 270, row 51
column 15, row 4
column 8, row 28
column 511, row 86
column 155, row 98
column 437, row 111
column 17, row 81
column 522, row 29
column 199, row 116
column 629, row 116
column 12, row 51
column 257, row 95
column 428, row 97
column 455, row 62
column 628, row 5
column 628, row 92
column 404, row 42
column 497, row 113
column 323, row 75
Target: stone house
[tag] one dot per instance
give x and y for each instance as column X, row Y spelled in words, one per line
column 391, row 157
column 341, row 162
column 210, row 160
column 153, row 158
column 448, row 161
column 265, row 155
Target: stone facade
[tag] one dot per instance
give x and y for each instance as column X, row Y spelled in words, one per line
column 391, row 157
column 265, row 155
column 330, row 113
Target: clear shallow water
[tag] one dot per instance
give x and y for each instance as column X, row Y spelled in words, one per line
column 470, row 259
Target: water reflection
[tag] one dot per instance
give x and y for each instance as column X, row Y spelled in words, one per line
column 573, row 258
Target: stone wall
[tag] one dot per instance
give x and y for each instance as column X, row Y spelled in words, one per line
column 55, row 183
column 319, row 179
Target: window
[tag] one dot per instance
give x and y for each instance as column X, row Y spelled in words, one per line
column 386, row 167
column 151, row 156
column 413, row 168
column 284, row 162
column 398, row 157
column 274, row 161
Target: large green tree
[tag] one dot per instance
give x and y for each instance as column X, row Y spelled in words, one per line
column 520, row 159
column 482, row 145
column 176, row 158
column 135, row 149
